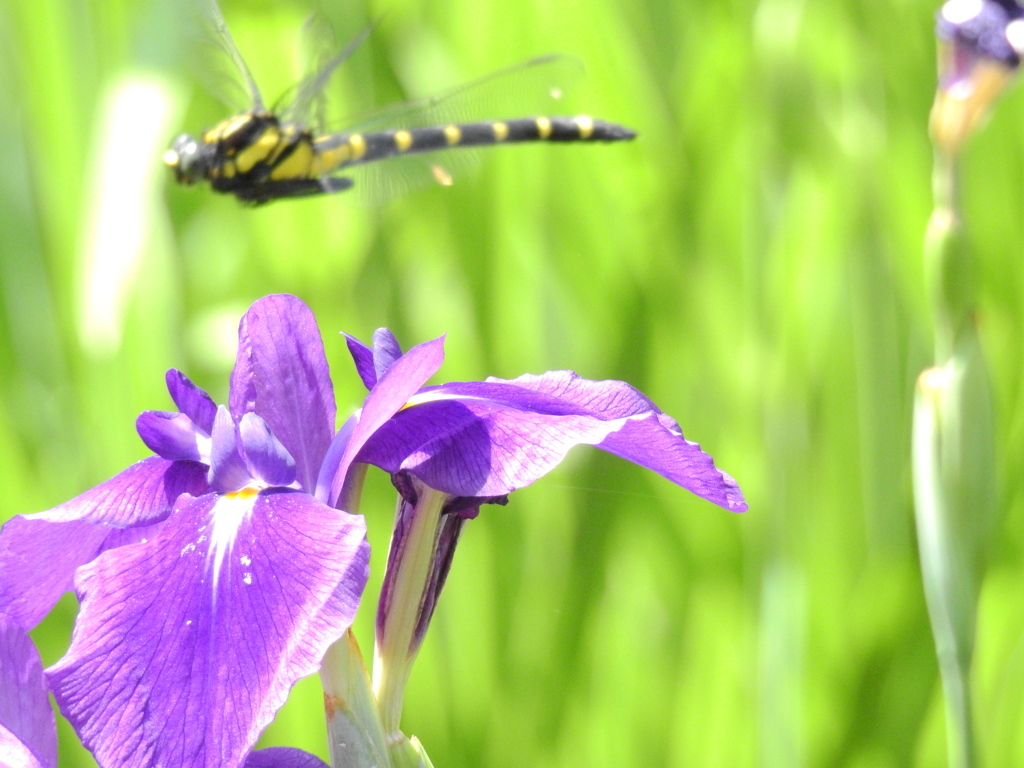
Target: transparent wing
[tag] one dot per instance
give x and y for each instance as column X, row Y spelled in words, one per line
column 534, row 87
column 217, row 64
column 306, row 102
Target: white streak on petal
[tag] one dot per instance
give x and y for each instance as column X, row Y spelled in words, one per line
column 227, row 515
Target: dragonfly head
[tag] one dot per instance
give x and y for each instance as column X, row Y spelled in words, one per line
column 190, row 159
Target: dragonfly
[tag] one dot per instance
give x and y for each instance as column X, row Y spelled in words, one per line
column 264, row 154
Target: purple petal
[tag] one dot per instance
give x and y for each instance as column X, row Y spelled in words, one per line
column 386, row 350
column 497, row 437
column 283, row 757
column 171, row 436
column 607, row 399
column 655, row 442
column 227, row 467
column 372, row 363
column 362, row 356
column 39, row 553
column 28, row 730
column 187, row 645
column 281, row 374
column 191, row 400
column 265, row 457
column 389, row 395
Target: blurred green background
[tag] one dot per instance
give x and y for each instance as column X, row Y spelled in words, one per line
column 752, row 262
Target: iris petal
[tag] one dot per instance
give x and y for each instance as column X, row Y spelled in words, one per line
column 172, row 436
column 283, row 757
column 227, row 467
column 191, row 400
column 28, row 732
column 388, row 396
column 265, row 457
column 167, row 669
column 39, row 553
column 281, row 374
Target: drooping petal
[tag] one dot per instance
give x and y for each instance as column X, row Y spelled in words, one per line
column 28, row 731
column 39, row 553
column 649, row 442
column 607, row 399
column 478, row 447
column 492, row 438
column 283, row 757
column 172, row 436
column 265, row 457
column 191, row 400
column 187, row 645
column 401, row 380
column 227, row 467
column 281, row 374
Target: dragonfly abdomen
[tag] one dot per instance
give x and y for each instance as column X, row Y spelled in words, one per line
column 338, row 150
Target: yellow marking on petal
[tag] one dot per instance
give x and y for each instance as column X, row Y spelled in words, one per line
column 500, row 131
column 298, row 165
column 171, row 158
column 259, row 150
column 358, row 144
column 585, row 123
column 543, row 127
column 403, row 140
column 452, row 134
column 243, row 493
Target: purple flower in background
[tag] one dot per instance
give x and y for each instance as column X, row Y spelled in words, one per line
column 980, row 45
column 210, row 577
column 453, row 447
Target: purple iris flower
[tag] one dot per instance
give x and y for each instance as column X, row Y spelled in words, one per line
column 28, row 733
column 210, row 577
column 453, row 447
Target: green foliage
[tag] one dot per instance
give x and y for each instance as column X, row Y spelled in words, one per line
column 752, row 262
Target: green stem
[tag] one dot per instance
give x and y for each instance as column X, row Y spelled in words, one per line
column 394, row 652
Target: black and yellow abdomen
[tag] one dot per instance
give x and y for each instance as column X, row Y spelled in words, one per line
column 338, row 150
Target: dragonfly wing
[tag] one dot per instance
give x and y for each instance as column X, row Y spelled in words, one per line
column 217, row 62
column 306, row 103
column 534, row 87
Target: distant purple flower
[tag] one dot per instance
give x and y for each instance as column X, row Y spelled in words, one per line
column 982, row 28
column 469, row 443
column 220, row 580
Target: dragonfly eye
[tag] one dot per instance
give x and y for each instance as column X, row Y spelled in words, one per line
column 187, row 159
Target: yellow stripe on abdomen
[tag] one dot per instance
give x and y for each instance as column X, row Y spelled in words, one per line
column 358, row 145
column 452, row 134
column 585, row 123
column 327, row 160
column 543, row 127
column 500, row 131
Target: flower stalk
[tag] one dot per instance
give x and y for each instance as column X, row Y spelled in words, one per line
column 953, row 452
column 412, row 565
